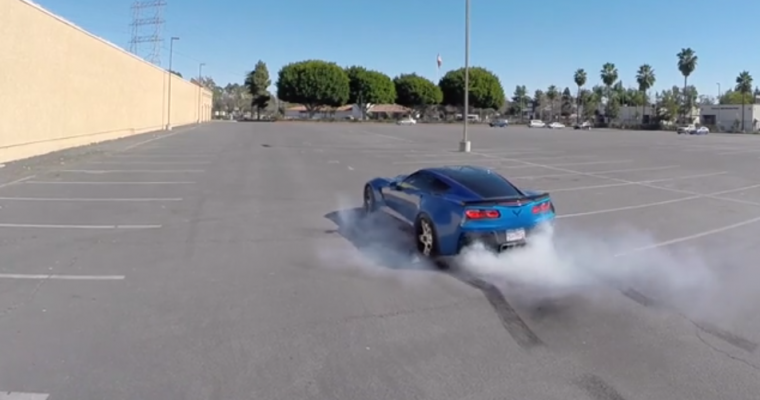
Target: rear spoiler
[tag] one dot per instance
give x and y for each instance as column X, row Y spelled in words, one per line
column 509, row 201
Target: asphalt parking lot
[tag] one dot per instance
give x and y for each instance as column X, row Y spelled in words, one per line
column 208, row 263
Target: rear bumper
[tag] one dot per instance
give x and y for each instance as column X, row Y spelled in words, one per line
column 495, row 240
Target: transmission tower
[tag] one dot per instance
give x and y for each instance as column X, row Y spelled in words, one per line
column 147, row 28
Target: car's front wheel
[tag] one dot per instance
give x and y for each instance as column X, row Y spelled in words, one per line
column 424, row 234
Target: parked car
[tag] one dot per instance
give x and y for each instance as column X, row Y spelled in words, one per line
column 685, row 129
column 702, row 130
column 555, row 125
column 583, row 126
column 536, row 123
column 406, row 121
column 499, row 123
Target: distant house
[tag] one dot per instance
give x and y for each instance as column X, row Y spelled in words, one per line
column 351, row 111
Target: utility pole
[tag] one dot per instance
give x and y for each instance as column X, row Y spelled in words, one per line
column 171, row 78
column 200, row 91
column 465, row 145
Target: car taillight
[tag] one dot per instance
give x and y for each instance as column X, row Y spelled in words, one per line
column 482, row 214
column 542, row 208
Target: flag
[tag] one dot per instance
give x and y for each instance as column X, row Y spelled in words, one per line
column 439, row 60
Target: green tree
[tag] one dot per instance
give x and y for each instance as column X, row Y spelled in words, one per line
column 590, row 100
column 313, row 84
column 645, row 78
column 734, row 97
column 368, row 87
column 687, row 63
column 580, row 80
column 176, row 73
column 609, row 75
column 520, row 101
column 485, row 89
column 566, row 105
column 416, row 92
column 744, row 86
column 539, row 100
column 257, row 82
column 551, row 95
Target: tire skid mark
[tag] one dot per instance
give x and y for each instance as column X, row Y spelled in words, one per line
column 720, row 333
column 597, row 388
column 510, row 319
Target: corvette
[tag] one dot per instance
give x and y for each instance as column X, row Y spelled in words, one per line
column 449, row 208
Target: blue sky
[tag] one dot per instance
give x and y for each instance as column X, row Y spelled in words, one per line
column 524, row 42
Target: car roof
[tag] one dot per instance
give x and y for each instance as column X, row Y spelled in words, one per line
column 478, row 181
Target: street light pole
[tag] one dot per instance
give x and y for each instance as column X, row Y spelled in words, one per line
column 465, row 145
column 200, row 90
column 171, row 78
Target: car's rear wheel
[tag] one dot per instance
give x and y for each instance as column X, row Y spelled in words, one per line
column 425, row 238
column 369, row 200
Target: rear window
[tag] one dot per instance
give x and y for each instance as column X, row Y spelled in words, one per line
column 484, row 183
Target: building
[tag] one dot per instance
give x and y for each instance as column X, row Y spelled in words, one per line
column 728, row 117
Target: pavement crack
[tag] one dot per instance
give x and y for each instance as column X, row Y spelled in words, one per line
column 698, row 332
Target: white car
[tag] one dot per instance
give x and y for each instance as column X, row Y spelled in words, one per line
column 536, row 123
column 555, row 125
column 406, row 121
column 686, row 129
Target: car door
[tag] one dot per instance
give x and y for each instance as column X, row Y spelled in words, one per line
column 395, row 197
column 414, row 189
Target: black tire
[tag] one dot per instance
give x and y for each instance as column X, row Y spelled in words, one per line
column 425, row 237
column 368, row 203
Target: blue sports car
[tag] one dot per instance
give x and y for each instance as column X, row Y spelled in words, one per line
column 451, row 207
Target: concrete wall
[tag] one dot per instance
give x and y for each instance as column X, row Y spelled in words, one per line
column 62, row 87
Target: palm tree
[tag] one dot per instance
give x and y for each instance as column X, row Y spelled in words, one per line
column 580, row 80
column 551, row 94
column 609, row 75
column 646, row 79
column 744, row 86
column 687, row 63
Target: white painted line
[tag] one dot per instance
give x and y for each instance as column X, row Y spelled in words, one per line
column 584, row 163
column 350, row 168
column 106, row 183
column 83, row 199
column 690, row 237
column 731, row 153
column 612, row 171
column 162, row 137
column 694, row 196
column 609, row 185
column 17, row 181
column 126, row 171
column 386, row 136
column 635, row 207
column 63, row 278
column 151, row 162
column 101, row 227
column 4, row 395
column 460, row 160
column 156, row 155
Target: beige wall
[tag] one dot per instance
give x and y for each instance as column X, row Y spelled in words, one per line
column 62, row 87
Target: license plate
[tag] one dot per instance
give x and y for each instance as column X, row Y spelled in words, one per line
column 515, row 235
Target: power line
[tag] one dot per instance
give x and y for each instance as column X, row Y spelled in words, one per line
column 147, row 28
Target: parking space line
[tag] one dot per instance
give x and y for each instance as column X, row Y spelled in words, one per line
column 96, row 227
column 156, row 155
column 386, row 136
column 612, row 171
column 609, row 185
column 689, row 237
column 162, row 137
column 5, row 395
column 17, row 181
column 458, row 160
column 62, row 278
column 85, row 199
column 584, row 163
column 136, row 171
column 106, row 183
column 150, row 162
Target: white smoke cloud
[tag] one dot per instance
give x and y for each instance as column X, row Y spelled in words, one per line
column 703, row 285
